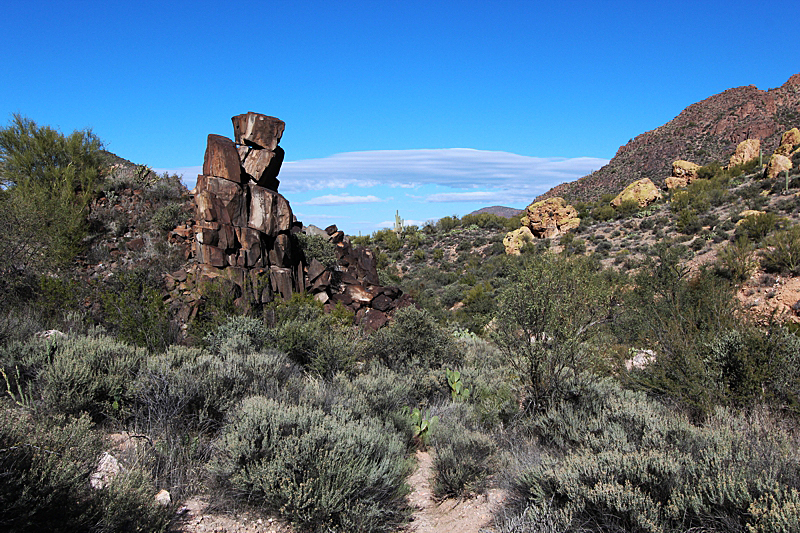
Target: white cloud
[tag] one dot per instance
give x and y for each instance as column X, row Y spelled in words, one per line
column 459, row 168
column 470, row 196
column 510, row 176
column 342, row 199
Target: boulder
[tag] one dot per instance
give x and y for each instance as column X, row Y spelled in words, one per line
column 373, row 319
column 683, row 173
column 262, row 166
column 777, row 163
column 269, row 211
column 107, row 469
column 745, row 151
column 550, row 218
column 515, row 240
column 258, row 130
column 644, row 192
column 222, row 159
column 789, row 140
column 220, row 200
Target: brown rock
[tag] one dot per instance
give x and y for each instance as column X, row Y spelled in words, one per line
column 281, row 281
column 382, row 303
column 222, row 159
column 136, row 245
column 258, row 130
column 323, row 281
column 373, row 319
column 220, row 200
column 269, row 211
column 745, row 151
column 315, row 269
column 359, row 294
column 281, row 251
column 263, row 166
column 330, row 230
column 643, row 192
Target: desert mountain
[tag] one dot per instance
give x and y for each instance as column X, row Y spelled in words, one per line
column 704, row 132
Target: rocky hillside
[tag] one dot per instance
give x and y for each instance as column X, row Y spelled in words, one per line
column 704, row 132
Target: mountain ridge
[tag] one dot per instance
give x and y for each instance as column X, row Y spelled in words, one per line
column 703, row 132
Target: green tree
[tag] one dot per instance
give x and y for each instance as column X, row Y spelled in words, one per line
column 46, row 182
column 549, row 318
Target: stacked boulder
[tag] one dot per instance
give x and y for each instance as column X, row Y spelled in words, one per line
column 243, row 233
column 542, row 220
column 683, row 173
column 243, row 226
column 353, row 282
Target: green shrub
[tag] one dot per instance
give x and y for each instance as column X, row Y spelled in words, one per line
column 323, row 343
column 735, row 261
column 239, row 334
column 167, row 217
column 756, row 227
column 46, row 464
column 75, row 375
column 317, row 247
column 688, row 222
column 460, row 458
column 135, row 309
column 549, row 316
column 413, row 339
column 627, row 208
column 782, row 251
column 193, row 389
column 697, row 479
column 322, row 472
column 603, row 213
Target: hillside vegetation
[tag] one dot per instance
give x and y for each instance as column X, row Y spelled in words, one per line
column 617, row 378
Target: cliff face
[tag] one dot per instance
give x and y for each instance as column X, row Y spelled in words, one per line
column 704, row 132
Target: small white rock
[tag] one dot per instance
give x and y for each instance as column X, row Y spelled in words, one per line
column 163, row 497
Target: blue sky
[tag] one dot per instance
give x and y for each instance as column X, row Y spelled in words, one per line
column 429, row 108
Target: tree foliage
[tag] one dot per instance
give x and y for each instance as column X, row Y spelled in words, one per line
column 548, row 318
column 46, row 182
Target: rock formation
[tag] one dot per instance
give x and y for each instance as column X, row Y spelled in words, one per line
column 550, row 218
column 745, row 151
column 244, row 232
column 243, row 225
column 643, row 192
column 353, row 282
column 683, row 173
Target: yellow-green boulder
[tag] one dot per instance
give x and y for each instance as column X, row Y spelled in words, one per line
column 515, row 240
column 644, row 192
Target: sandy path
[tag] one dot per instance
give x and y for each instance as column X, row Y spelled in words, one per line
column 453, row 515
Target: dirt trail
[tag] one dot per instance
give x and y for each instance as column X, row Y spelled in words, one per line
column 470, row 515
column 451, row 515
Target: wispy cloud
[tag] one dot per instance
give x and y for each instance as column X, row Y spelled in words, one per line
column 470, row 196
column 458, row 168
column 510, row 176
column 342, row 199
